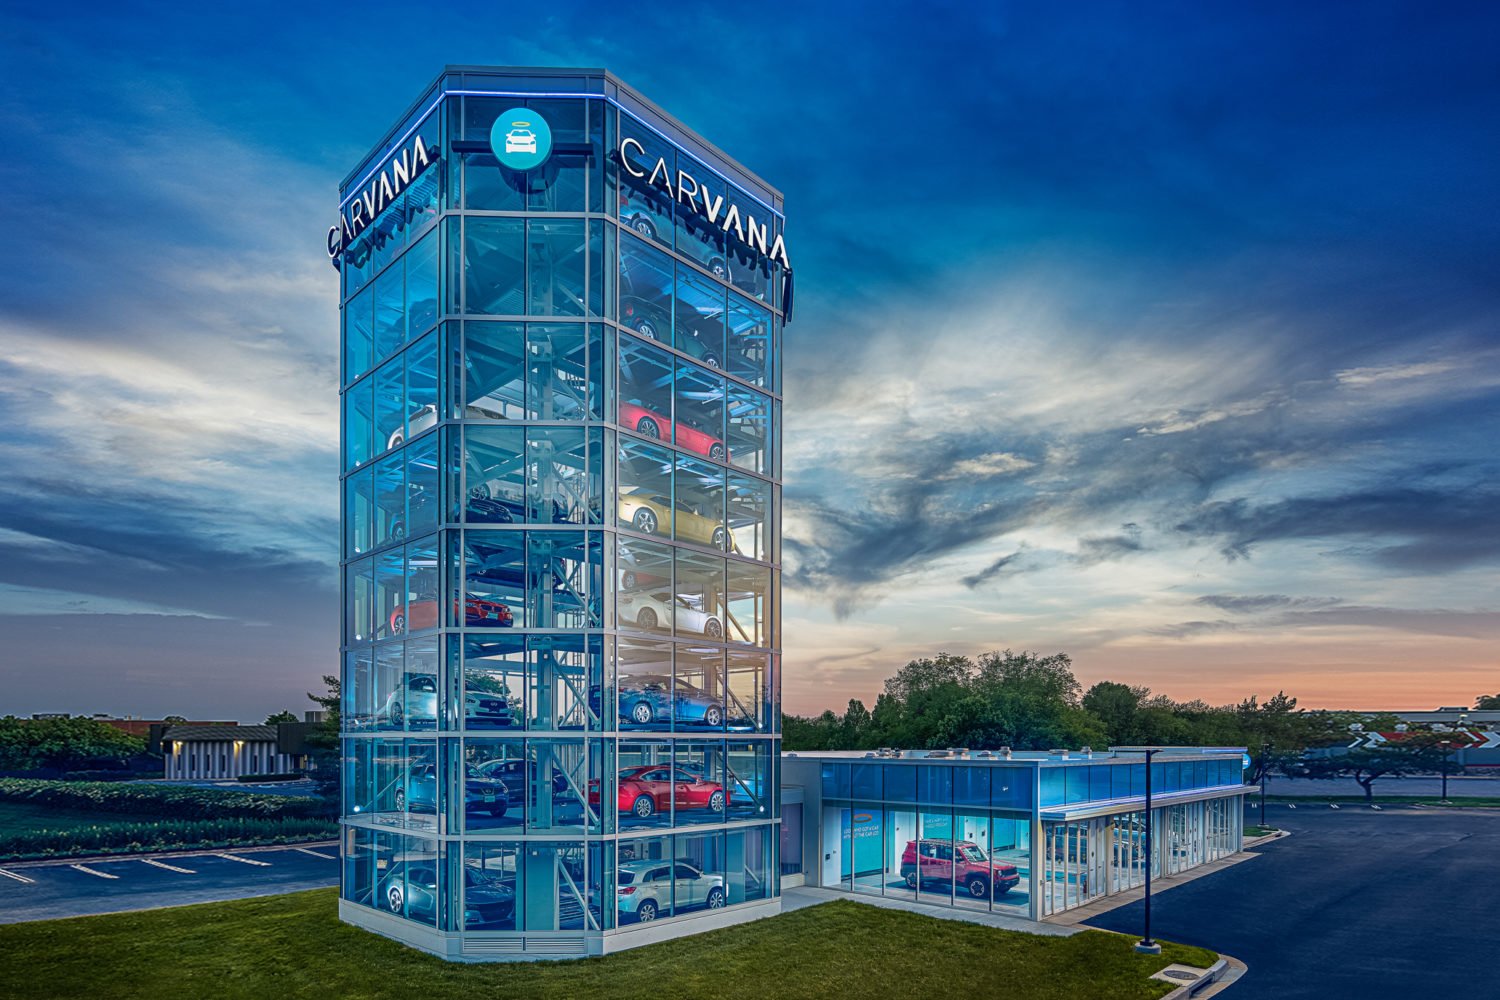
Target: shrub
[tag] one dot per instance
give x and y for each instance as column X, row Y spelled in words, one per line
column 166, row 835
column 166, row 801
column 107, row 776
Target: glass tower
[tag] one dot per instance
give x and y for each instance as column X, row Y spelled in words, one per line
column 561, row 316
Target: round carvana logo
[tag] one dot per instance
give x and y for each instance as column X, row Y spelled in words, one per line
column 521, row 139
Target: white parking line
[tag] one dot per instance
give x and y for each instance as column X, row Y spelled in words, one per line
column 18, row 878
column 170, row 868
column 316, row 854
column 89, row 871
column 243, row 861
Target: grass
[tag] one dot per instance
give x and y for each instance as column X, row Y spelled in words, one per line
column 294, row 946
column 1251, row 830
column 1478, row 802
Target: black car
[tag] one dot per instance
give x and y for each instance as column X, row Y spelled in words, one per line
column 518, row 774
column 410, row 887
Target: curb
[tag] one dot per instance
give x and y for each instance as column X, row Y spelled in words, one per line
column 187, row 852
column 1265, row 839
column 1220, row 976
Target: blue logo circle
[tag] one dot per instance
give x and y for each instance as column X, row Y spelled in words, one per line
column 521, row 139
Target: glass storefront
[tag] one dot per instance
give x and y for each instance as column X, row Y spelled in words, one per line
column 560, row 522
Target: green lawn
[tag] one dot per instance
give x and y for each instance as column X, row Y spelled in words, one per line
column 294, row 946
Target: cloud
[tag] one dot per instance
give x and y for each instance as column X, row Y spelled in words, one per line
column 990, row 572
column 1256, row 603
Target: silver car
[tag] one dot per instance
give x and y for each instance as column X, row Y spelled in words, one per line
column 645, row 889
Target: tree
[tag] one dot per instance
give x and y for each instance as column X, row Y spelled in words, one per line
column 66, row 743
column 323, row 739
column 1416, row 753
column 1487, row 703
column 284, row 715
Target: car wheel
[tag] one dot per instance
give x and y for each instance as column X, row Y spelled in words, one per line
column 642, row 714
column 644, row 226
column 398, row 624
column 627, row 579
column 480, row 492
column 978, row 888
column 646, row 329
column 718, row 269
column 718, row 539
column 398, row 531
column 711, row 359
column 400, row 800
column 643, row 807
column 646, row 618
column 716, row 899
column 716, row 802
column 911, row 881
column 712, row 629
column 395, row 899
column 499, row 810
column 397, row 440
column 398, row 715
column 646, row 912
column 648, row 428
column 713, row 717
column 645, row 520
column 716, row 452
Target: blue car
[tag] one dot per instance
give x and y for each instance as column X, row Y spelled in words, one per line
column 410, row 889
column 481, row 794
column 648, row 699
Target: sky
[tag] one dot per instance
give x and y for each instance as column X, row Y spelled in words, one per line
column 1163, row 334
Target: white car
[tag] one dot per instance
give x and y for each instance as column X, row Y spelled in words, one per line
column 415, row 424
column 520, row 140
column 645, row 889
column 651, row 611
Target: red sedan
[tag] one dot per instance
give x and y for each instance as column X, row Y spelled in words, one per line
column 649, row 789
column 477, row 611
column 654, row 425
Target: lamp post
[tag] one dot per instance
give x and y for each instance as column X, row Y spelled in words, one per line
column 1146, row 945
column 1447, row 746
column 1265, row 750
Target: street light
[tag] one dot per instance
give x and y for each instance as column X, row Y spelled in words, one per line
column 1145, row 945
column 1447, row 746
column 1265, row 750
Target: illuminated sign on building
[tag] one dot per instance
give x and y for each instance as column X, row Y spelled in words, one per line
column 384, row 188
column 685, row 189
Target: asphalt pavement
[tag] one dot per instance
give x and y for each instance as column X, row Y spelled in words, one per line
column 1356, row 903
column 51, row 889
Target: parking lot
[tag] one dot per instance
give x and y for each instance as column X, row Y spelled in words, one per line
column 46, row 890
column 1356, row 903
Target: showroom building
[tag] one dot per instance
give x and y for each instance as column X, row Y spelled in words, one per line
column 1030, row 834
column 561, row 318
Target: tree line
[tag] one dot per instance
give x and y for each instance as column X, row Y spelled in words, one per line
column 1028, row 701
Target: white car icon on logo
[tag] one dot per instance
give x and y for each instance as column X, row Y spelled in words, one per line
column 520, row 140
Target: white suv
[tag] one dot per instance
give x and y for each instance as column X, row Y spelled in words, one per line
column 645, row 889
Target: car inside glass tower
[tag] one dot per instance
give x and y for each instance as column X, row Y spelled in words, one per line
column 561, row 512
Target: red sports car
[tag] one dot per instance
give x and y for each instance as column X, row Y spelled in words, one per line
column 654, row 425
column 477, row 611
column 648, row 789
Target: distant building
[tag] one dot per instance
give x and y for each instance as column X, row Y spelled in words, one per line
column 220, row 751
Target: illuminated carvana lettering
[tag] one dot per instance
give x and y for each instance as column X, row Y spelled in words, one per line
column 688, row 191
column 384, row 188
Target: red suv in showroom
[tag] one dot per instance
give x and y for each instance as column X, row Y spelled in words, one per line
column 961, row 864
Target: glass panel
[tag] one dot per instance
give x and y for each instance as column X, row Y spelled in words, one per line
column 557, row 584
column 749, row 588
column 359, row 512
column 697, row 599
column 557, row 371
column 644, row 601
column 748, row 691
column 495, row 375
column 699, row 794
column 409, row 885
column 646, row 293
column 698, row 882
column 565, row 669
column 645, row 488
column 645, row 389
column 1010, row 844
column 558, row 785
column 422, row 285
column 359, row 335
column 699, row 424
column 390, row 311
column 644, row 784
column 494, row 682
column 422, row 504
column 645, row 207
column 495, row 571
column 494, row 463
column 696, row 237
column 494, row 266
column 698, row 697
column 749, row 780
column 749, row 340
column 557, row 256
column 899, row 852
column 643, row 891
column 901, row 783
column 933, row 859
column 698, row 317
column 645, row 684
column 749, row 516
column 492, row 884
column 748, row 429
column 559, row 186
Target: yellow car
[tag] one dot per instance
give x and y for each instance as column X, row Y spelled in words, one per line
column 650, row 512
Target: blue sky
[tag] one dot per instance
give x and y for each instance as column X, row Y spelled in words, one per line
column 1163, row 334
